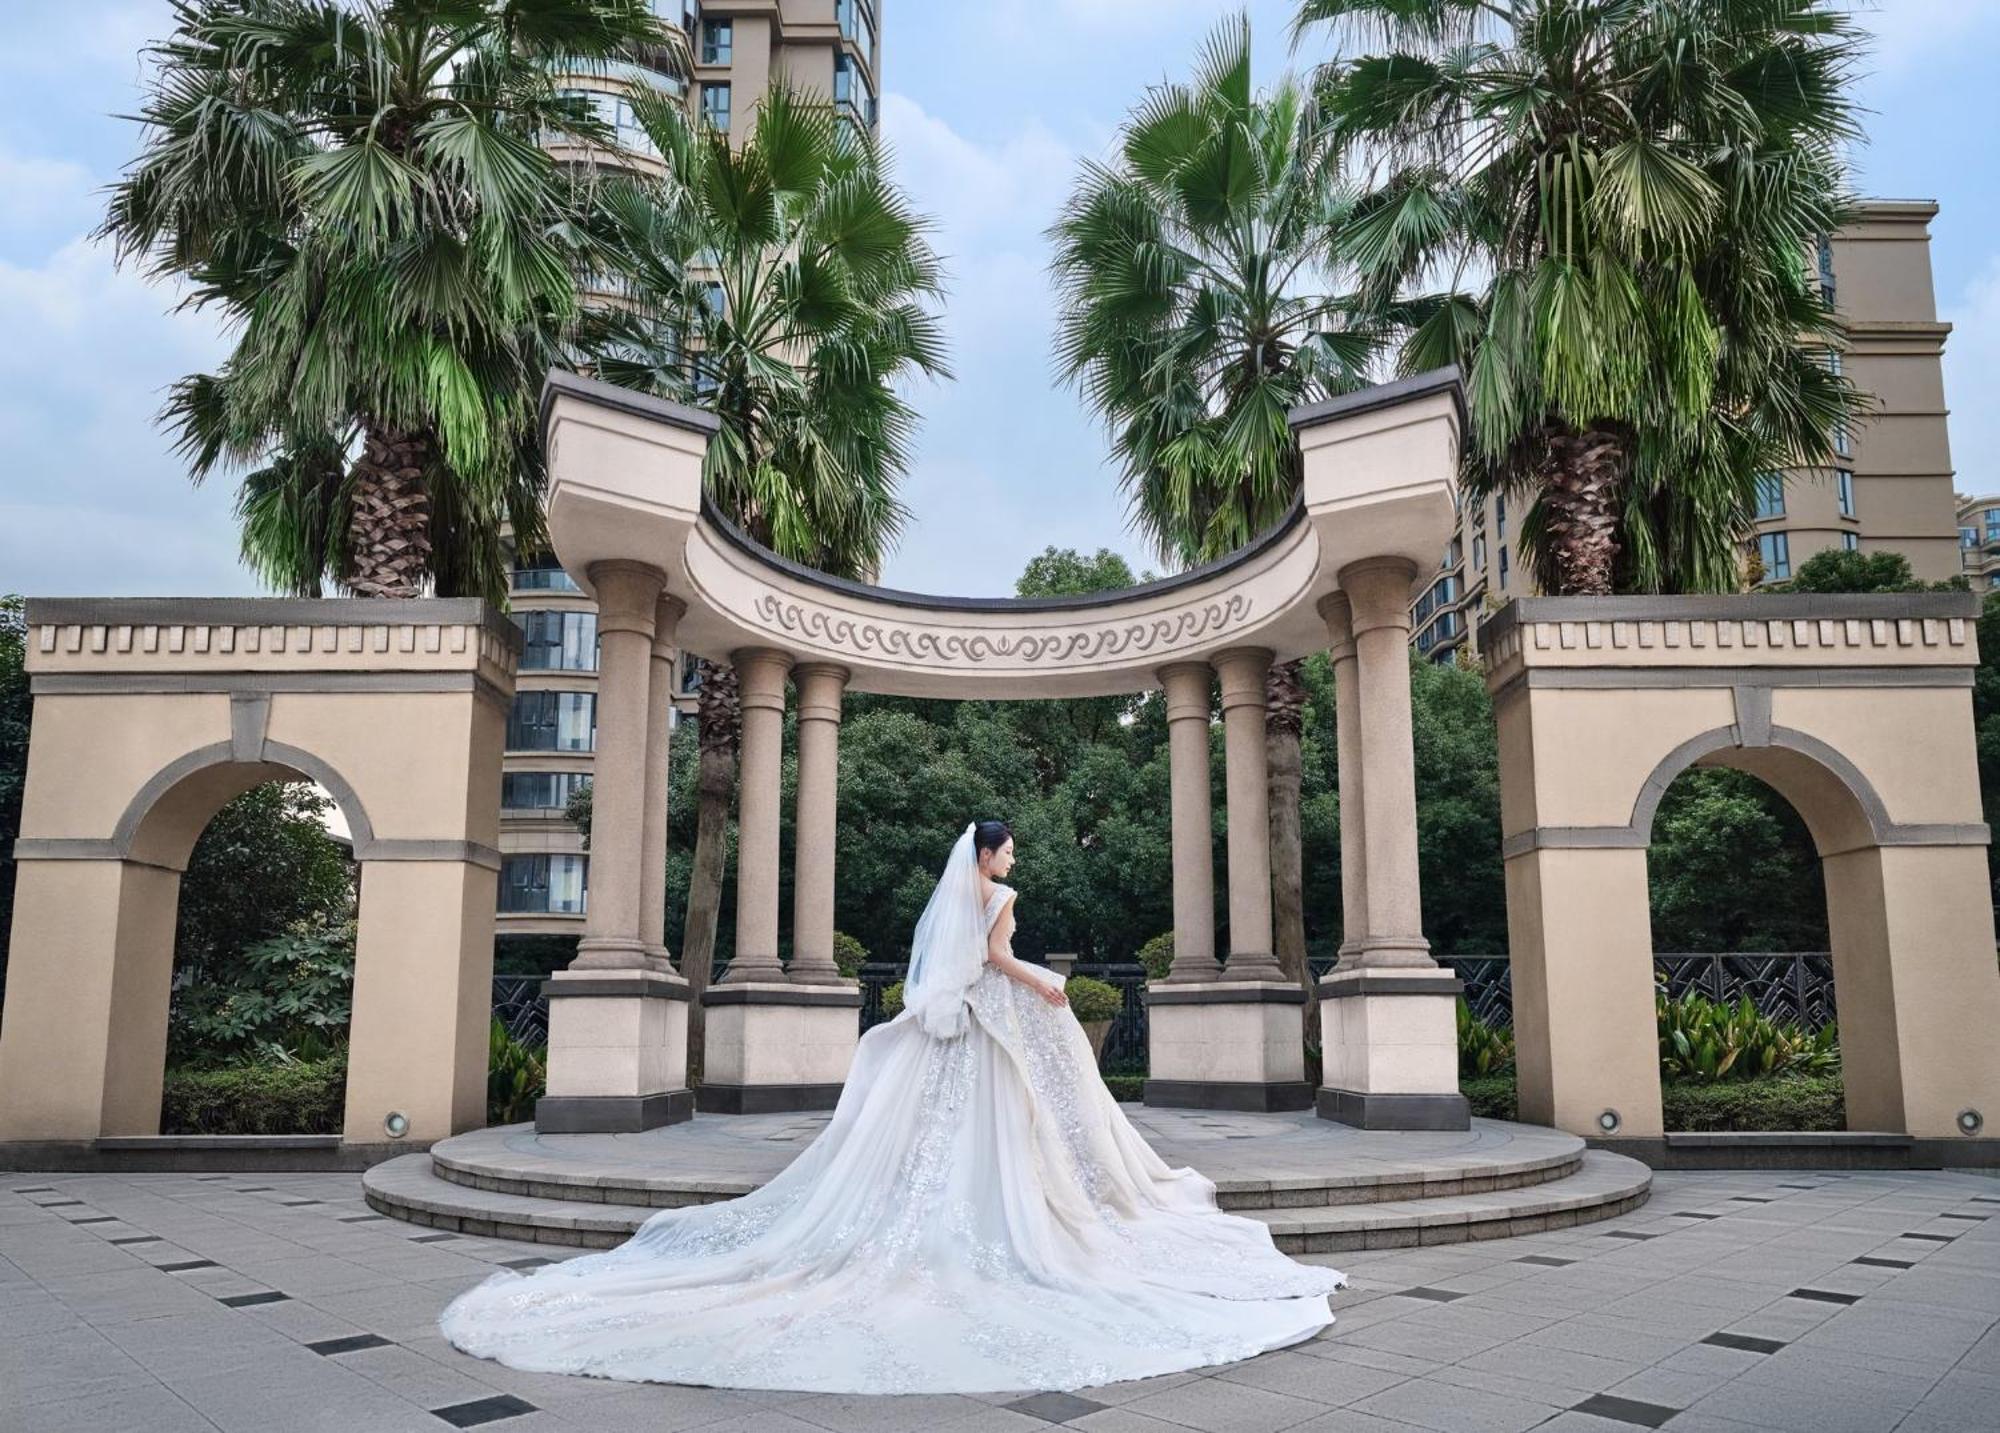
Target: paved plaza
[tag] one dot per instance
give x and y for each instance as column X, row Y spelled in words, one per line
column 1809, row 1302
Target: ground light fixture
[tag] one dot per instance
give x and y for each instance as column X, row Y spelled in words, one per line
column 1609, row 1121
column 396, row 1124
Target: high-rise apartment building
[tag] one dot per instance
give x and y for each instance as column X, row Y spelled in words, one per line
column 740, row 49
column 1889, row 487
column 1979, row 540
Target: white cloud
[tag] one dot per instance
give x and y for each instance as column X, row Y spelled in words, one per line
column 44, row 194
column 1907, row 31
column 91, row 500
column 1972, row 380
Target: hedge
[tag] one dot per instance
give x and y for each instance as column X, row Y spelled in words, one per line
column 1783, row 1102
column 306, row 1097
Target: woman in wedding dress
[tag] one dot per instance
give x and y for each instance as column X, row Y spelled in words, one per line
column 978, row 1216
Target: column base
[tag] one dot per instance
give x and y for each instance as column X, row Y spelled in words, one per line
column 1390, row 1049
column 617, row 1052
column 612, row 1114
column 765, row 1099
column 1226, row 1045
column 771, row 1046
column 1249, row 1096
column 1364, row 1110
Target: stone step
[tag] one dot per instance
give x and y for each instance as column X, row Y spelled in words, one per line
column 1601, row 1186
column 1321, row 1166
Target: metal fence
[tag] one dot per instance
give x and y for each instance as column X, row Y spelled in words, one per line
column 1795, row 985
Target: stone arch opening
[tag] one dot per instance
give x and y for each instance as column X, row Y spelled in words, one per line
column 1855, row 710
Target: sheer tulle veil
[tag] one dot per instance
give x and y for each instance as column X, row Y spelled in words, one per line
column 949, row 947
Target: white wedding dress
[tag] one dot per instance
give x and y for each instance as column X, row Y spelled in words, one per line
column 978, row 1216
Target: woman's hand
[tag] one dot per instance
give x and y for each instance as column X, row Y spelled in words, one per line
column 1054, row 994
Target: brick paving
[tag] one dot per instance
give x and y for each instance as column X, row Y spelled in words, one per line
column 1803, row 1302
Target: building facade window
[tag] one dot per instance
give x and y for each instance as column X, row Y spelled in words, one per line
column 1850, row 542
column 1991, row 520
column 540, row 790
column 558, row 641
column 543, row 885
column 1479, row 554
column 850, row 88
column 552, row 721
column 542, row 574
column 1500, row 517
column 1770, row 495
column 1775, row 548
column 1503, row 566
column 1442, row 593
column 715, row 107
column 1968, row 537
column 1844, row 481
column 1447, row 626
column 858, row 25
column 1828, row 287
column 717, row 41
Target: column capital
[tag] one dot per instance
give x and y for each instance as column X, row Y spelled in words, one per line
column 667, row 614
column 760, row 676
column 1243, row 670
column 1336, row 609
column 1378, row 589
column 1186, row 685
column 627, row 595
column 819, row 686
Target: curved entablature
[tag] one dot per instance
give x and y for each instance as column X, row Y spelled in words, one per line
column 626, row 486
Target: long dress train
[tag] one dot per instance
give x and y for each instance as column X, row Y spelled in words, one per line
column 977, row 1216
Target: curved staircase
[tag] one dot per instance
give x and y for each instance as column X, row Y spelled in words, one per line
column 1321, row 1187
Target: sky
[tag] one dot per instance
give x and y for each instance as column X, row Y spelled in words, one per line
column 988, row 106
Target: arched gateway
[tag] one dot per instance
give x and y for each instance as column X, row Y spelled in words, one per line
column 627, row 519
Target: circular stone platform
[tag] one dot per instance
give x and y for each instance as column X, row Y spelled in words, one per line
column 1321, row 1186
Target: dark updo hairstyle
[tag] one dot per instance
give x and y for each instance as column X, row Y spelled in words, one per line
column 989, row 836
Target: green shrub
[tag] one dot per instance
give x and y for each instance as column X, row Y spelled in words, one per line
column 1492, row 1097
column 1126, row 1087
column 1093, row 999
column 1157, row 955
column 1812, row 1102
column 892, row 1000
column 516, row 1076
column 849, row 954
column 1703, row 1039
column 274, row 1097
column 1482, row 1049
column 287, row 999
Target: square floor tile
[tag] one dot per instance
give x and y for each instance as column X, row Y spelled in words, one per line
column 1625, row 1410
column 1055, row 1407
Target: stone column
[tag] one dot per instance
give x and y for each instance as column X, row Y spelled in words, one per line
column 1187, row 688
column 760, row 681
column 1389, row 1039
column 1243, row 670
column 1338, row 613
column 1379, row 591
column 819, row 685
column 628, row 595
column 653, row 831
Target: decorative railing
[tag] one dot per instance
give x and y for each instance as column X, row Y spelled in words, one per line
column 1785, row 986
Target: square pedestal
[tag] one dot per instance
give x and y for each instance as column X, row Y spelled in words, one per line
column 771, row 1046
column 1227, row 1045
column 617, row 1053
column 1390, row 1043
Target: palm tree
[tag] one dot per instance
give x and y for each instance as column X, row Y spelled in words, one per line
column 1621, row 197
column 359, row 188
column 1195, row 317
column 787, row 286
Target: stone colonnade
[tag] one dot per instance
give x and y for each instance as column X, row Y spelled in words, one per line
column 626, row 515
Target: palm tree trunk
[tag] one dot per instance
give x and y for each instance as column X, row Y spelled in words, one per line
column 1582, row 482
column 1284, row 720
column 389, row 530
column 721, row 722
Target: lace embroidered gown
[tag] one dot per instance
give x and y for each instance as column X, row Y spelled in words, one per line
column 978, row 1216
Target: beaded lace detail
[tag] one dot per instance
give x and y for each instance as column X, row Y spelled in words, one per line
column 977, row 1216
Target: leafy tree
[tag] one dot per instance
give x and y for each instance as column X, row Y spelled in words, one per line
column 1458, row 810
column 285, row 998
column 15, row 707
column 1194, row 318
column 1618, row 200
column 359, row 189
column 1834, row 569
column 1732, row 868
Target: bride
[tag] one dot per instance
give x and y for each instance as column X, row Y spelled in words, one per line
column 978, row 1216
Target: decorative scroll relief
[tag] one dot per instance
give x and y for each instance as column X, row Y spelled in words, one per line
column 1146, row 636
